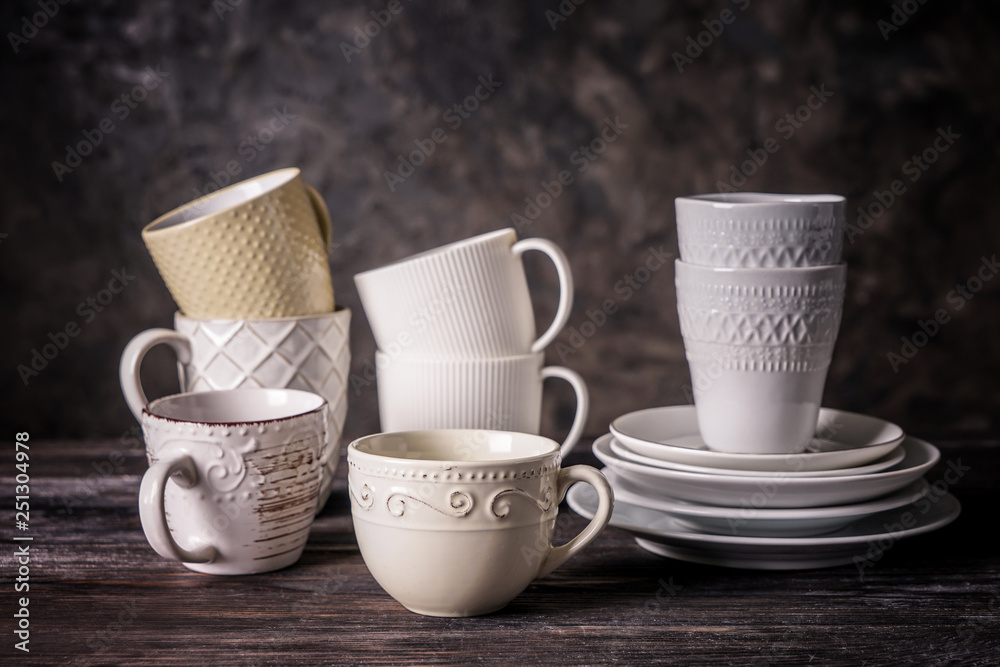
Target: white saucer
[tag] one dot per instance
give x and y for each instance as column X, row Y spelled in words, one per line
column 659, row 533
column 887, row 461
column 797, row 522
column 780, row 491
column 671, row 434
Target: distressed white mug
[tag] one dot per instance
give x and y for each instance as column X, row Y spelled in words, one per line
column 500, row 394
column 234, row 477
column 464, row 300
column 459, row 522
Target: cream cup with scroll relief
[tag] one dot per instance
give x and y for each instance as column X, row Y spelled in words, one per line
column 233, row 477
column 255, row 249
column 468, row 299
column 759, row 344
column 500, row 394
column 759, row 230
column 310, row 353
column 460, row 522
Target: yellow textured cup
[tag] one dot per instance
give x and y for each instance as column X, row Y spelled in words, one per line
column 255, row 249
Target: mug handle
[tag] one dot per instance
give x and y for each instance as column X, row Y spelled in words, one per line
column 606, row 497
column 322, row 216
column 582, row 404
column 135, row 351
column 558, row 258
column 152, row 513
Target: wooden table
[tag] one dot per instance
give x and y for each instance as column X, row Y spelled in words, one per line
column 100, row 595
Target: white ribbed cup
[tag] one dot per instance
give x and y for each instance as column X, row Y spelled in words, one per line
column 468, row 299
column 758, row 343
column 498, row 394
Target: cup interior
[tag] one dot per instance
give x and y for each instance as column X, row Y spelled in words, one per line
column 236, row 406
column 456, row 445
column 224, row 199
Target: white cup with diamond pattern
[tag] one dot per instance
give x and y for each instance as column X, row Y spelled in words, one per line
column 756, row 230
column 311, row 353
column 758, row 343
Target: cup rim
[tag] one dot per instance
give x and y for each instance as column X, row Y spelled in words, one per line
column 149, row 409
column 792, row 271
column 338, row 311
column 354, row 450
column 290, row 173
column 470, row 361
column 446, row 248
column 731, row 200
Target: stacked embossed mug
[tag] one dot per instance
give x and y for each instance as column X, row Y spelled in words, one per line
column 248, row 268
column 760, row 290
column 456, row 337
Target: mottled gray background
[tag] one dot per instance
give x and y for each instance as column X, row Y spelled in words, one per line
column 226, row 74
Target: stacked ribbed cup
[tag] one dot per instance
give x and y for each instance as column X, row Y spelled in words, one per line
column 760, row 290
column 456, row 337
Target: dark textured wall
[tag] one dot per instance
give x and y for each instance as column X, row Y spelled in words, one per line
column 221, row 71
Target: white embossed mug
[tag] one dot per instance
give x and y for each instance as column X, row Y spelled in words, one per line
column 233, row 477
column 758, row 344
column 499, row 394
column 460, row 522
column 760, row 230
column 311, row 353
column 464, row 300
column 255, row 249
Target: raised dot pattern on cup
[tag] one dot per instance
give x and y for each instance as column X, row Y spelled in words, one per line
column 280, row 270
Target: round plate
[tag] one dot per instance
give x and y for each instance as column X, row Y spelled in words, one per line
column 796, row 522
column 780, row 491
column 887, row 461
column 661, row 534
column 671, row 434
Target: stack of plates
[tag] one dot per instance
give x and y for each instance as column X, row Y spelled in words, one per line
column 858, row 487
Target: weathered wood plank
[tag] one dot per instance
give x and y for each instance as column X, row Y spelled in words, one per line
column 100, row 595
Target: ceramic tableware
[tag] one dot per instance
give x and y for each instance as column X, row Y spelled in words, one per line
column 765, row 522
column 660, row 534
column 465, row 300
column 780, row 492
column 756, row 230
column 255, row 249
column 311, row 353
column 503, row 394
column 459, row 522
column 758, row 343
column 887, row 461
column 234, row 477
column 841, row 440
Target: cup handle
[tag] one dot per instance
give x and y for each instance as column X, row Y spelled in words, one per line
column 582, row 404
column 558, row 258
column 322, row 216
column 567, row 477
column 135, row 351
column 153, row 516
